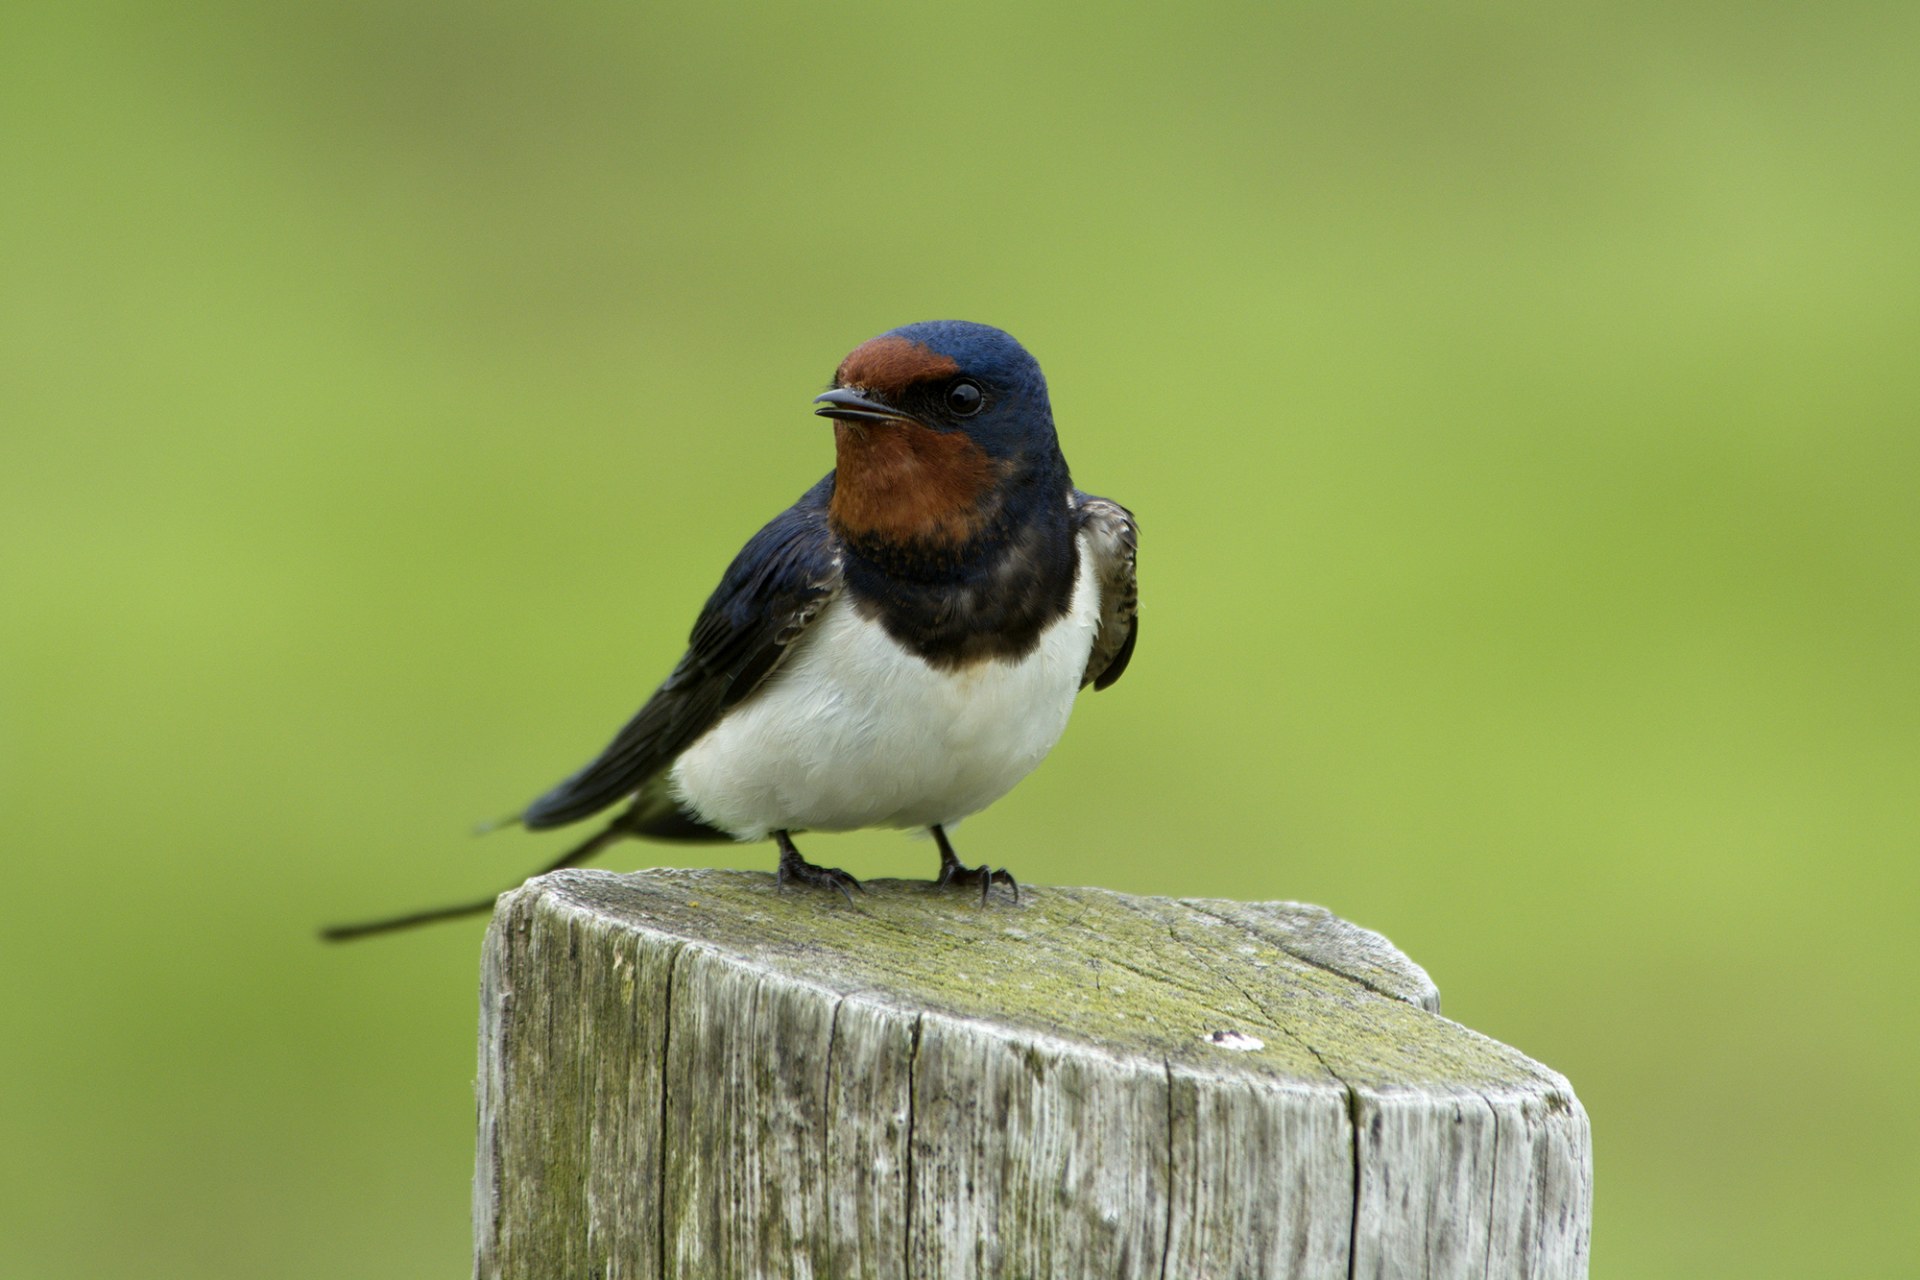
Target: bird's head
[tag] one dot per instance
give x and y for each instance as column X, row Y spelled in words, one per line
column 936, row 426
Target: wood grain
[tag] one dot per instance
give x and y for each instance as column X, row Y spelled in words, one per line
column 692, row 1074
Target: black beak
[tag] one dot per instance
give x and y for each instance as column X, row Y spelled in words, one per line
column 851, row 405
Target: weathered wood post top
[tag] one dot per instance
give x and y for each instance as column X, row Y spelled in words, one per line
column 693, row 1074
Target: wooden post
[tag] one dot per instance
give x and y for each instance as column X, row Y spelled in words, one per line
column 693, row 1074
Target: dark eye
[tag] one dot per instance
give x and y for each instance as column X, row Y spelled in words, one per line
column 964, row 399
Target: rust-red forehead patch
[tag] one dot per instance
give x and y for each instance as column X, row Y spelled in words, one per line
column 888, row 366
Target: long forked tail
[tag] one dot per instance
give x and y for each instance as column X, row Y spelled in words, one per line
column 480, row 906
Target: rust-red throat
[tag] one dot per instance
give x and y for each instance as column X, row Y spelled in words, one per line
column 900, row 481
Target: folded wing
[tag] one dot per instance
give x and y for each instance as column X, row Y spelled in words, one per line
column 776, row 585
column 1112, row 540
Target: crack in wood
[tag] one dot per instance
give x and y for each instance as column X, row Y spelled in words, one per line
column 912, row 1160
column 1032, row 1091
column 660, row 1124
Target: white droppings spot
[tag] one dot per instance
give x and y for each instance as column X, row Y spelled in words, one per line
column 1238, row 1041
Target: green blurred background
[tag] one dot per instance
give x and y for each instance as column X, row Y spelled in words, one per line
column 1519, row 403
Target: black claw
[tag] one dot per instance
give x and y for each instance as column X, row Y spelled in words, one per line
column 820, row 877
column 795, row 867
column 958, row 876
column 953, row 872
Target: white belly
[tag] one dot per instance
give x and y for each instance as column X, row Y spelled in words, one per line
column 854, row 731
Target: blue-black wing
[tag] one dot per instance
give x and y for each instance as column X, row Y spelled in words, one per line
column 1112, row 541
column 776, row 585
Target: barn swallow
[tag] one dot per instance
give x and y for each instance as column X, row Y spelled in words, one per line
column 896, row 649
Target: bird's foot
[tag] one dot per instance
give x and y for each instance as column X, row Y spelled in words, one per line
column 796, row 868
column 953, row 874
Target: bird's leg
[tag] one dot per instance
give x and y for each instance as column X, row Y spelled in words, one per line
column 795, row 867
column 952, row 872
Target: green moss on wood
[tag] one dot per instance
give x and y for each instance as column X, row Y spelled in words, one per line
column 1136, row 977
column 691, row 1073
